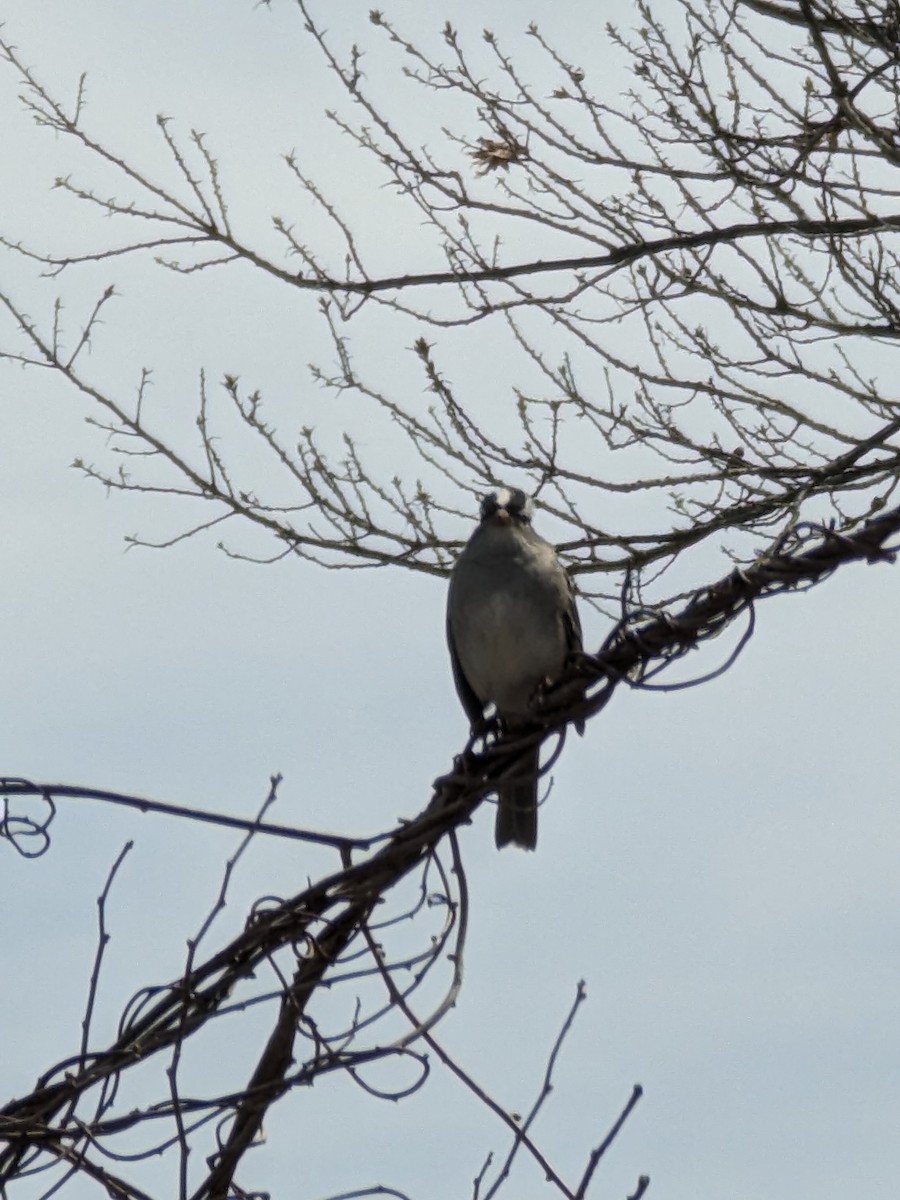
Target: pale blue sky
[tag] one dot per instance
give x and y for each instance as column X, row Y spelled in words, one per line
column 718, row 864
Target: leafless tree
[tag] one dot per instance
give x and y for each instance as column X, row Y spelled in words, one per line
column 700, row 277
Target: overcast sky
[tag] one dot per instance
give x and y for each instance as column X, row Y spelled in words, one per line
column 719, row 864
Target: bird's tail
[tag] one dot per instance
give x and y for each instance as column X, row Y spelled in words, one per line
column 517, row 807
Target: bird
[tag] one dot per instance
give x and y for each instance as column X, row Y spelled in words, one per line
column 511, row 624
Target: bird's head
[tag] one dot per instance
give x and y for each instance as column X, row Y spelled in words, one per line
column 506, row 506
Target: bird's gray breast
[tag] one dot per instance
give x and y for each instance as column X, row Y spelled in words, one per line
column 507, row 602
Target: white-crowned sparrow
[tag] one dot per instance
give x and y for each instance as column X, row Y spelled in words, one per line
column 511, row 622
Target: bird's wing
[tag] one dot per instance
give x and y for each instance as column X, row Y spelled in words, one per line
column 571, row 620
column 572, row 625
column 470, row 702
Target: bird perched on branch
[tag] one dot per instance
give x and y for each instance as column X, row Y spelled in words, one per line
column 511, row 623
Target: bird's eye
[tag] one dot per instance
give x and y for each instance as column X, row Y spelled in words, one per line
column 489, row 506
column 519, row 506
